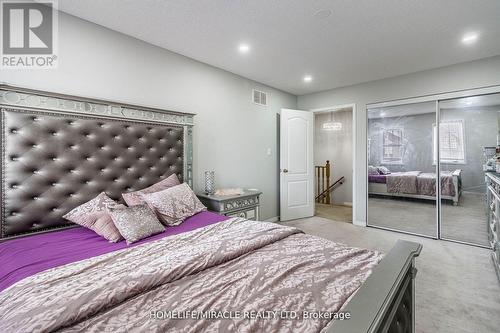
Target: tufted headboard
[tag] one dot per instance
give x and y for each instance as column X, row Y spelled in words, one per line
column 54, row 159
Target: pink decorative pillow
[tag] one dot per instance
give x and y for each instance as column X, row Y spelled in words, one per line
column 134, row 198
column 136, row 223
column 94, row 215
column 174, row 204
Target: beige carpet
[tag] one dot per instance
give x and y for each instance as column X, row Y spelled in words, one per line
column 465, row 222
column 457, row 290
column 338, row 213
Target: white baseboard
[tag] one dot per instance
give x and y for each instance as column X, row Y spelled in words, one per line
column 360, row 223
column 273, row 219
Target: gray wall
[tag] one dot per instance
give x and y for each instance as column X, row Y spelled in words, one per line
column 232, row 134
column 468, row 75
column 337, row 147
column 417, row 140
column 481, row 128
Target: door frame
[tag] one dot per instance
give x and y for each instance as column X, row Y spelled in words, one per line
column 353, row 108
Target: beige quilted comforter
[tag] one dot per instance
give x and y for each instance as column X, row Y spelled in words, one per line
column 229, row 272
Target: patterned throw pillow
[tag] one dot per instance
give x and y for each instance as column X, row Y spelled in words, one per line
column 383, row 170
column 136, row 222
column 372, row 170
column 94, row 215
column 134, row 198
column 174, row 204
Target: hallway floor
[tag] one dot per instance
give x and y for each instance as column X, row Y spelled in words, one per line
column 339, row 213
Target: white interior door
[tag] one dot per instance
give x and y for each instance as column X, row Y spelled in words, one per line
column 296, row 164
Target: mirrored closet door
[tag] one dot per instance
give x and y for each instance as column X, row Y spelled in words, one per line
column 468, row 136
column 402, row 170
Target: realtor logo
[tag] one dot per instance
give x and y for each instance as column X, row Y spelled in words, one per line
column 28, row 34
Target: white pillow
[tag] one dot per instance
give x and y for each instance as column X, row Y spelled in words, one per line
column 372, row 170
column 383, row 170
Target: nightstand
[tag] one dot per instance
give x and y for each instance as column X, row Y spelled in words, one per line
column 245, row 205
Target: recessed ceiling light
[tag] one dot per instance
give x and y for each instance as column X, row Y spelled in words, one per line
column 243, row 48
column 323, row 14
column 308, row 78
column 470, row 38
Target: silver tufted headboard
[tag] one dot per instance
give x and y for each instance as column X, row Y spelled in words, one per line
column 60, row 151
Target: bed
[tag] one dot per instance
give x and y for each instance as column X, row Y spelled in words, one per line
column 417, row 185
column 210, row 273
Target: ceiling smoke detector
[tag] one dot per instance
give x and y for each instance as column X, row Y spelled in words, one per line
column 323, row 14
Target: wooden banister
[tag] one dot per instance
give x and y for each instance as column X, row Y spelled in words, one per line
column 323, row 173
column 323, row 186
column 320, row 197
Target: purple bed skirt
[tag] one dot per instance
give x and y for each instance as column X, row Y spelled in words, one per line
column 381, row 179
column 29, row 255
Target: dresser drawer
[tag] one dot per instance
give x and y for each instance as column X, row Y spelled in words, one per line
column 250, row 214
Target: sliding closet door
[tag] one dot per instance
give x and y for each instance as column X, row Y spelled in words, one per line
column 468, row 132
column 401, row 169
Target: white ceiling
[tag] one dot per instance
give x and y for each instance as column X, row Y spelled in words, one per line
column 362, row 40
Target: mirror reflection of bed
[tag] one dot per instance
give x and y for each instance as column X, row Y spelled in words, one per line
column 402, row 171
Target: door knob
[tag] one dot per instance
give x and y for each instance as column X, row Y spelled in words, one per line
column 285, row 170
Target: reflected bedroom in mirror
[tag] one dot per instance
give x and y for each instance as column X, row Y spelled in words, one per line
column 404, row 147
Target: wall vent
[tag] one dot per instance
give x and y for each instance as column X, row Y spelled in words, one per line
column 259, row 97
